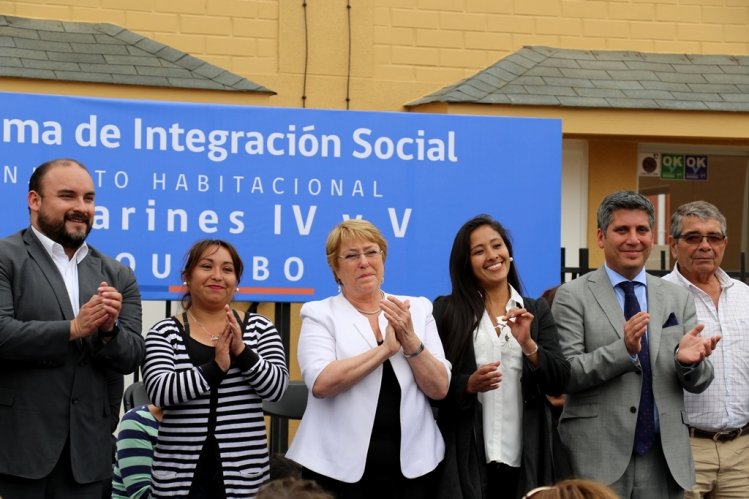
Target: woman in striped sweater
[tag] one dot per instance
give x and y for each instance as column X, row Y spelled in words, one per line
column 210, row 368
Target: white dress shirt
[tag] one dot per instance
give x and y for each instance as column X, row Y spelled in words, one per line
column 725, row 403
column 503, row 407
column 68, row 267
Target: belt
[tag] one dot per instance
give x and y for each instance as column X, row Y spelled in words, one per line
column 719, row 436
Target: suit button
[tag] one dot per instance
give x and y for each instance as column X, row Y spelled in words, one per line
column 74, row 401
column 633, row 410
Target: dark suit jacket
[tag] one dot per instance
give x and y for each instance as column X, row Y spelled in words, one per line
column 598, row 422
column 463, row 471
column 52, row 389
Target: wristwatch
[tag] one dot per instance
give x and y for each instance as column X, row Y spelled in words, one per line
column 112, row 333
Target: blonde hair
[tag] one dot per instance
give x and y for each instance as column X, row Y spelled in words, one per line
column 573, row 489
column 352, row 230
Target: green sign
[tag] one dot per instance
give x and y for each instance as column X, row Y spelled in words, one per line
column 672, row 166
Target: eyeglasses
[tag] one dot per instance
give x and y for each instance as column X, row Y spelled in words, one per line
column 370, row 255
column 695, row 238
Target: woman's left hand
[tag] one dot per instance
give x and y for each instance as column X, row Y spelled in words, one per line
column 398, row 314
column 519, row 321
column 237, row 342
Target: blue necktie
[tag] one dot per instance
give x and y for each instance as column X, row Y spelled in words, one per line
column 645, row 429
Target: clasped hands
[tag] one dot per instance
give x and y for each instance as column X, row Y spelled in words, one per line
column 693, row 348
column 400, row 328
column 98, row 314
column 230, row 343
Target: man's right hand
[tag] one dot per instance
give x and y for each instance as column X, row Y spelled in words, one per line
column 634, row 329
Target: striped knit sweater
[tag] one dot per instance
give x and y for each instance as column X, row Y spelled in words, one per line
column 174, row 383
column 136, row 438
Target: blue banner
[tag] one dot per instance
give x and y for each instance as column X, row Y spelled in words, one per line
column 274, row 182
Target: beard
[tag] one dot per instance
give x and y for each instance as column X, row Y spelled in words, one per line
column 57, row 231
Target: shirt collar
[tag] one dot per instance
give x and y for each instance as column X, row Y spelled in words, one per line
column 723, row 278
column 616, row 278
column 515, row 301
column 54, row 248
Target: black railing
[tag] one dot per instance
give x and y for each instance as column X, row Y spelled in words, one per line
column 569, row 273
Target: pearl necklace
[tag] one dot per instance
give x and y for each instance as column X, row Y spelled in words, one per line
column 214, row 337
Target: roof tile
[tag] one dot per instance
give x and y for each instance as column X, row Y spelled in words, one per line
column 583, row 102
column 90, row 77
column 631, row 103
column 11, row 62
column 53, row 65
column 15, row 72
column 728, row 106
column 108, row 68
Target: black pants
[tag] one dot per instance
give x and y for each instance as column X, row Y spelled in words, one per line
column 502, row 481
column 372, row 486
column 59, row 484
column 208, row 482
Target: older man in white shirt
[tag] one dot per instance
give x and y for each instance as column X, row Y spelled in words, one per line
column 719, row 416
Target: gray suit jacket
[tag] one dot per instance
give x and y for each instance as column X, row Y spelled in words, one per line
column 52, row 389
column 598, row 423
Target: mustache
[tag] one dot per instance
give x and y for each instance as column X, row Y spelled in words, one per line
column 76, row 216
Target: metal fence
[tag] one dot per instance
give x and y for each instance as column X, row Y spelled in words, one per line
column 569, row 273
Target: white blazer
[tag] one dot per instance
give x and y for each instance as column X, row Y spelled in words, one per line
column 333, row 436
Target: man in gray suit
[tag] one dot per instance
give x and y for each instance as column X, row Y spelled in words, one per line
column 70, row 317
column 624, row 422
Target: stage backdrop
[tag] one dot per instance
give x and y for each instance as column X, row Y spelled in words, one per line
column 274, row 181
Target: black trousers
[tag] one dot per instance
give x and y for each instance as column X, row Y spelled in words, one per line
column 372, row 486
column 502, row 481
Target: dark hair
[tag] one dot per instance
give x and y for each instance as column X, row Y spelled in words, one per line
column 699, row 209
column 292, row 488
column 623, row 200
column 196, row 252
column 35, row 182
column 549, row 294
column 464, row 307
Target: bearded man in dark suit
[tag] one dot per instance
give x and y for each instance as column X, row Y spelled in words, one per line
column 70, row 318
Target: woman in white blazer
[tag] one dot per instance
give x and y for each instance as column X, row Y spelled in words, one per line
column 372, row 361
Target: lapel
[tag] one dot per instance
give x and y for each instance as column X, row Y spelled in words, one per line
column 49, row 272
column 658, row 315
column 89, row 276
column 349, row 315
column 603, row 292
